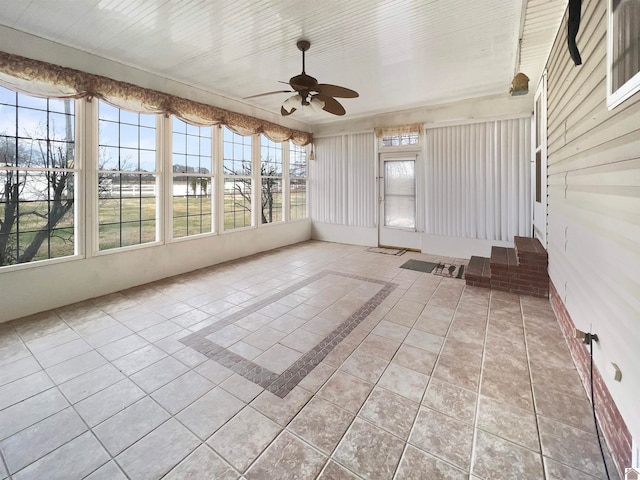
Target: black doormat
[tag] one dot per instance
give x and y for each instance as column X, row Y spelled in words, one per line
column 448, row 270
column 419, row 266
column 387, row 251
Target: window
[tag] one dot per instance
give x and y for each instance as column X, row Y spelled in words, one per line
column 127, row 178
column 237, row 180
column 400, row 140
column 37, row 178
column 297, row 182
column 271, row 180
column 623, row 79
column 192, row 183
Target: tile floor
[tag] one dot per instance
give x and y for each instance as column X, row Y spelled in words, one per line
column 317, row 360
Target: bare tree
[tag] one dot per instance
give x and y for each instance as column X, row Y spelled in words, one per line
column 270, row 187
column 57, row 189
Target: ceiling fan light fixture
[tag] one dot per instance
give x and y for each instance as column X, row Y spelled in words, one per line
column 292, row 102
column 316, row 104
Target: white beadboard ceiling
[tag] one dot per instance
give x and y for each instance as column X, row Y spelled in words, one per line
column 397, row 54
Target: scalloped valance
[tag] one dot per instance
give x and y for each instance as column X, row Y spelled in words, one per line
column 43, row 79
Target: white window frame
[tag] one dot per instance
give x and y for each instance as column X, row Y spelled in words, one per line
column 632, row 85
column 255, row 160
column 79, row 192
column 160, row 134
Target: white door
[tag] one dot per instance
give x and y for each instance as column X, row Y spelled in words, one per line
column 398, row 205
column 539, row 163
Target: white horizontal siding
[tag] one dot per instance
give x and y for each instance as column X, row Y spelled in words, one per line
column 594, row 206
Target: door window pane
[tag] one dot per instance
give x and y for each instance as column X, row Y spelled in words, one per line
column 399, row 194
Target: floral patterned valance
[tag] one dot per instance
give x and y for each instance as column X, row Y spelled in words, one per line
column 47, row 80
column 398, row 130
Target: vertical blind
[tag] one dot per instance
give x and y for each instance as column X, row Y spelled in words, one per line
column 342, row 180
column 478, row 180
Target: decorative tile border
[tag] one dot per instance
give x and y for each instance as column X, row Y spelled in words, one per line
column 282, row 384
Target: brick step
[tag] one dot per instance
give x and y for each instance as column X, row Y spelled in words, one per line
column 522, row 269
column 478, row 273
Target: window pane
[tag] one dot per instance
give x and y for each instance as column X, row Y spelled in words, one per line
column 127, row 200
column 399, row 194
column 192, row 192
column 237, row 191
column 297, row 182
column 37, row 207
column 271, row 200
column 237, row 203
column 626, row 41
column 298, row 199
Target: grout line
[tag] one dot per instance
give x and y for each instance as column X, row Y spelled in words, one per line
column 472, row 459
column 533, row 396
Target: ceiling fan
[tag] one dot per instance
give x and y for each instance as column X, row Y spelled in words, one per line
column 318, row 96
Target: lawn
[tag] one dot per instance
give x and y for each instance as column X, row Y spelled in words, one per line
column 131, row 221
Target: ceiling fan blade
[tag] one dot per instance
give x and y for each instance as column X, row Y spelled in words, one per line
column 335, row 91
column 331, row 105
column 268, row 93
column 284, row 113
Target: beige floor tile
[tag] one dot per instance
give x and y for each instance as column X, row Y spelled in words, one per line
column 18, row 369
column 390, row 330
column 30, row 411
column 509, row 422
column 130, row 425
column 241, row 440
column 264, row 338
column 137, row 360
column 281, row 410
column 498, row 459
column 109, row 471
column 418, row 465
column 287, row 457
column 202, row 463
column 159, row 374
column 207, row 414
column 38, row 440
column 182, row 391
column 443, row 437
column 451, row 400
column 360, row 451
column 334, row 471
column 379, row 346
column 416, row 359
column 91, row 382
column 404, row 381
column 76, row 366
column 345, row 390
column 242, row 388
column 277, row 358
column 389, row 411
column 106, row 403
column 263, row 299
column 362, row 365
column 322, row 424
column 23, row 388
column 513, row 388
column 76, row 459
column 157, row 453
column 570, row 446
